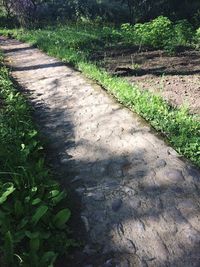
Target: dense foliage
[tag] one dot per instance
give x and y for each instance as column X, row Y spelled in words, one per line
column 159, row 33
column 117, row 11
column 33, row 212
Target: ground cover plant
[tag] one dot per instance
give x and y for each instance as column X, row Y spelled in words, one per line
column 76, row 44
column 33, row 208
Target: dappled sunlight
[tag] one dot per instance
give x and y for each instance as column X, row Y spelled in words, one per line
column 139, row 200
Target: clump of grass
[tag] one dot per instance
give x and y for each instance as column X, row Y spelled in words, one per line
column 33, row 212
column 74, row 45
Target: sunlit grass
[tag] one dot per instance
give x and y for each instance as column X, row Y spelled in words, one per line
column 76, row 45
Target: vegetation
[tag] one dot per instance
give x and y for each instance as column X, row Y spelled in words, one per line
column 33, row 216
column 116, row 11
column 160, row 33
column 76, row 45
column 33, row 213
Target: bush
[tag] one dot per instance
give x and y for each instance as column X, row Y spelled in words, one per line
column 157, row 33
column 197, row 38
column 128, row 32
column 184, row 32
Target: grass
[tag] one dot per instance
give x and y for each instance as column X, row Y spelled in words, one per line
column 76, row 45
column 33, row 212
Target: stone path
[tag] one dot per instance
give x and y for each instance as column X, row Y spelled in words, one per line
column 140, row 200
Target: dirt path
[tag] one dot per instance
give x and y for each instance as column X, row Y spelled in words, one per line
column 140, row 201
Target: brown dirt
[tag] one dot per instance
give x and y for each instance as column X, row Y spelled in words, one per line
column 176, row 78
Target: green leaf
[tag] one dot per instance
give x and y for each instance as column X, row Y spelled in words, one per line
column 61, row 218
column 36, row 201
column 8, row 249
column 34, row 189
column 23, row 146
column 49, row 258
column 5, row 191
column 32, row 133
column 18, row 208
column 59, row 197
column 53, row 193
column 40, row 212
column 32, row 235
column 35, row 244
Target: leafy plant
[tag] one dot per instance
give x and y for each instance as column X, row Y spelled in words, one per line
column 184, row 32
column 197, row 38
column 157, row 33
column 33, row 212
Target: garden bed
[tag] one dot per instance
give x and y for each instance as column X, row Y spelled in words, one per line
column 176, row 78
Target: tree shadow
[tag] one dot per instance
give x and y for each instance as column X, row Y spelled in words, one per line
column 124, row 72
column 155, row 224
column 39, row 66
column 133, row 200
column 19, row 49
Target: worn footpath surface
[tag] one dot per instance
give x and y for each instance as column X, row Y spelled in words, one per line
column 140, row 200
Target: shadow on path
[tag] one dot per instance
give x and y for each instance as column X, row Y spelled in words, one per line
column 135, row 202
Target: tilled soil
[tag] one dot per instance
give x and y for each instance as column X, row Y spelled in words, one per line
column 176, row 78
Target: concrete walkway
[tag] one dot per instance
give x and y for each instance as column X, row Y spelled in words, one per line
column 140, row 200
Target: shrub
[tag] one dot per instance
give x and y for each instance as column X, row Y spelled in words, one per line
column 184, row 32
column 128, row 32
column 157, row 33
column 197, row 38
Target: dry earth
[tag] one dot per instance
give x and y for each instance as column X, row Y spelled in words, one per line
column 176, row 78
column 140, row 202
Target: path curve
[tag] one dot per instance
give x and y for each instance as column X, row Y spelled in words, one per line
column 140, row 200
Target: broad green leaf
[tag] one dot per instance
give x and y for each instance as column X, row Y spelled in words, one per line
column 5, row 191
column 59, row 197
column 36, row 201
column 40, row 212
column 61, row 218
column 35, row 244
column 53, row 193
